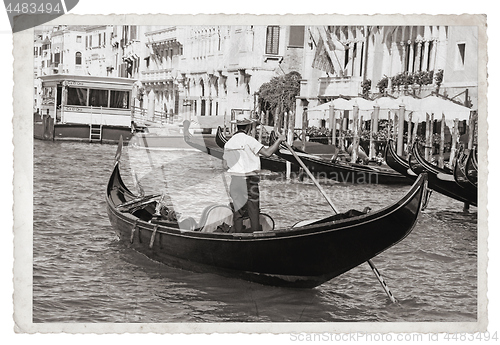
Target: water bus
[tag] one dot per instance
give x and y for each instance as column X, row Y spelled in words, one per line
column 84, row 108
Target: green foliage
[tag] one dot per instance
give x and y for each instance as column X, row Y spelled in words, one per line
column 279, row 93
column 438, row 77
column 366, row 86
column 405, row 79
column 383, row 84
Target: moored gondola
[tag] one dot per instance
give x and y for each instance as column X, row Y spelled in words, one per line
column 463, row 176
column 304, row 256
column 343, row 171
column 471, row 170
column 396, row 162
column 443, row 183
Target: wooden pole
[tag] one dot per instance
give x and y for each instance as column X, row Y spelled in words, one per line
column 431, row 137
column 401, row 127
column 472, row 125
column 304, row 128
column 225, row 126
column 332, row 123
column 414, row 136
column 289, row 139
column 276, row 118
column 427, row 136
column 355, row 139
column 342, row 131
column 285, row 123
column 441, row 143
column 454, row 139
column 408, row 142
column 374, row 130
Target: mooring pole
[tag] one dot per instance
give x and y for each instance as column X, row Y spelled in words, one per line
column 454, row 139
column 355, row 139
column 374, row 130
column 441, row 142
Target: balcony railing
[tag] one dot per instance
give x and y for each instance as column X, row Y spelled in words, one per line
column 157, row 75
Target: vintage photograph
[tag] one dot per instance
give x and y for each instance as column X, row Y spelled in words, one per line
column 298, row 172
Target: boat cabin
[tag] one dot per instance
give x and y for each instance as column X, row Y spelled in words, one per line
column 85, row 108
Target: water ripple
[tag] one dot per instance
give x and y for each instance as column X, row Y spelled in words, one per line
column 81, row 273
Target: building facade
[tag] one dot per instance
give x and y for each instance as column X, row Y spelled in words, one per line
column 419, row 60
column 215, row 71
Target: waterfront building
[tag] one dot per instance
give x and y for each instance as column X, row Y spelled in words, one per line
column 98, row 55
column 213, row 71
column 126, row 51
column 369, row 61
column 66, row 50
column 159, row 74
column 223, row 67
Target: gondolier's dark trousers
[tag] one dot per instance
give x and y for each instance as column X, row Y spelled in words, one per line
column 245, row 193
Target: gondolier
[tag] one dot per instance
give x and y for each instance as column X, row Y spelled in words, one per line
column 241, row 158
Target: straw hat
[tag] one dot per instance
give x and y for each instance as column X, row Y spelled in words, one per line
column 242, row 119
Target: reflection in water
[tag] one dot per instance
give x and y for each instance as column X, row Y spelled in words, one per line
column 82, row 273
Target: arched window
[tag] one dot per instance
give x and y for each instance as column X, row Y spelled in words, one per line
column 78, row 58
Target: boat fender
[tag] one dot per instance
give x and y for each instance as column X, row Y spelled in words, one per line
column 132, row 233
column 153, row 235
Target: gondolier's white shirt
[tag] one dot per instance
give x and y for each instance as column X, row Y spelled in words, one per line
column 241, row 153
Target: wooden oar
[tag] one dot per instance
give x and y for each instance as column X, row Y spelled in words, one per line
column 311, row 176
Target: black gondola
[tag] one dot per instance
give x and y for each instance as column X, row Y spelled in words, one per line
column 471, row 170
column 443, row 183
column 303, row 256
column 342, row 171
column 463, row 176
column 394, row 161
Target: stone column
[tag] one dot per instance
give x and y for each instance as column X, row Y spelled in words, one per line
column 403, row 56
column 432, row 55
column 425, row 62
column 416, row 67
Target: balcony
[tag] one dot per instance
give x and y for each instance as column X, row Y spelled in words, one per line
column 162, row 35
column 336, row 86
column 159, row 75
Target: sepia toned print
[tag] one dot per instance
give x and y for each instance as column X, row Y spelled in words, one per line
column 372, row 209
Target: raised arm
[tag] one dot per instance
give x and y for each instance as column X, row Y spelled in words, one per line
column 268, row 151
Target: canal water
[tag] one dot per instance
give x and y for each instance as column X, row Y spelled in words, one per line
column 82, row 273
